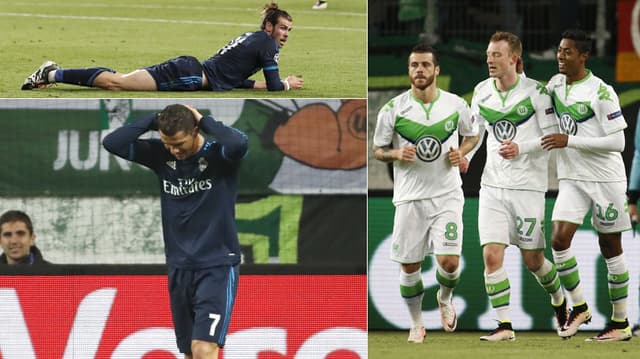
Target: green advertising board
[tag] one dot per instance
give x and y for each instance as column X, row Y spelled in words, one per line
column 530, row 308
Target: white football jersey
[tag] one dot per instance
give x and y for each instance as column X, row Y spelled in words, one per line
column 520, row 114
column 587, row 108
column 433, row 128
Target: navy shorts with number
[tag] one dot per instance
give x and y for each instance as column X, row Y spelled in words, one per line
column 201, row 303
column 182, row 73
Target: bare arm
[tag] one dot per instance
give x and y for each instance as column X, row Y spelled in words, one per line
column 456, row 155
column 387, row 154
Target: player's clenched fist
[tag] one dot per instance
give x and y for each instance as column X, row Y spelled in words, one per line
column 294, row 82
column 455, row 156
column 406, row 153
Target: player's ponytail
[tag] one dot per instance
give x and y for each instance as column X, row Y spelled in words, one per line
column 271, row 13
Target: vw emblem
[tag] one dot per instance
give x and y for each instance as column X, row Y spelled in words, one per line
column 567, row 124
column 504, row 130
column 428, row 148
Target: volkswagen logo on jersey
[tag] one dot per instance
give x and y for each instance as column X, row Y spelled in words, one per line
column 567, row 124
column 504, row 130
column 428, row 148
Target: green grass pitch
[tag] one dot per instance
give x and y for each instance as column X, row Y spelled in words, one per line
column 327, row 47
column 467, row 345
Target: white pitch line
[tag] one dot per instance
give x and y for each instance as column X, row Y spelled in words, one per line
column 195, row 22
column 178, row 7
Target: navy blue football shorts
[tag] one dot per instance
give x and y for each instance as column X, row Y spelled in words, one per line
column 182, row 73
column 201, row 303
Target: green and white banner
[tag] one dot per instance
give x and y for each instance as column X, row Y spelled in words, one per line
column 530, row 306
column 53, row 148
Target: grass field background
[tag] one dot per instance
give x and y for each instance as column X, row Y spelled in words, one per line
column 467, row 345
column 327, row 47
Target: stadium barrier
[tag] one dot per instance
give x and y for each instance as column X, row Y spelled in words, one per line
column 122, row 312
column 530, row 308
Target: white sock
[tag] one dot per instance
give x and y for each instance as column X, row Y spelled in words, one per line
column 414, row 304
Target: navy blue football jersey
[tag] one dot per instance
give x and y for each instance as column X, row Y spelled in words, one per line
column 240, row 59
column 197, row 195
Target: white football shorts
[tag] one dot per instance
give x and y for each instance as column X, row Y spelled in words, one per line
column 509, row 216
column 607, row 201
column 428, row 226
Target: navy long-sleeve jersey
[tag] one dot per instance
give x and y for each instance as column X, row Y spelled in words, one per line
column 197, row 194
column 242, row 57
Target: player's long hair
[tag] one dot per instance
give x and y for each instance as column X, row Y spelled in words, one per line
column 176, row 118
column 271, row 13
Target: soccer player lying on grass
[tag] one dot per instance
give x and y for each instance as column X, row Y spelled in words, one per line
column 229, row 68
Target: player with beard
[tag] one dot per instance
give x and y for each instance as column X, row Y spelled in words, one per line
column 516, row 112
column 418, row 131
column 229, row 68
column 591, row 176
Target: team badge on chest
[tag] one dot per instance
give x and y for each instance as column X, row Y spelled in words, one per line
column 568, row 124
column 504, row 130
column 428, row 148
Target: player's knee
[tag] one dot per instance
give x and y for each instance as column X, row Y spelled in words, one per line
column 204, row 350
column 449, row 264
column 533, row 262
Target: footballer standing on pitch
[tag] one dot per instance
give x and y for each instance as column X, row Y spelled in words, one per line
column 198, row 190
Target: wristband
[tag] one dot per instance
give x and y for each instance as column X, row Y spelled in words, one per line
column 286, row 85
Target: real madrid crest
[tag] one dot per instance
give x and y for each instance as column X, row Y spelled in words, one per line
column 202, row 164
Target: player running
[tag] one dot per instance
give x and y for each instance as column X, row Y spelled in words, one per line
column 516, row 112
column 418, row 132
column 229, row 68
column 591, row 175
column 198, row 189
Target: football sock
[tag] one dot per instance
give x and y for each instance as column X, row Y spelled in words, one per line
column 499, row 292
column 567, row 267
column 412, row 291
column 82, row 77
column 448, row 282
column 618, row 281
column 548, row 278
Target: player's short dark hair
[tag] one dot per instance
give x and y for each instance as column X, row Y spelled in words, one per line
column 176, row 118
column 271, row 13
column 515, row 45
column 16, row 216
column 580, row 38
column 426, row 49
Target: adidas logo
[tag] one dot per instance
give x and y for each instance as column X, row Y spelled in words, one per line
column 172, row 164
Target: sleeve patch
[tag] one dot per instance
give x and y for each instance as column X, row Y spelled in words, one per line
column 548, row 111
column 614, row 115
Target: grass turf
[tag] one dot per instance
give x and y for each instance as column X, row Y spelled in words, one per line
column 463, row 345
column 328, row 47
